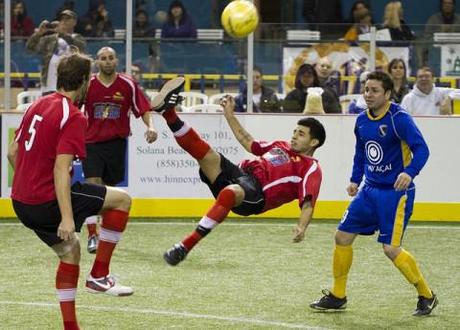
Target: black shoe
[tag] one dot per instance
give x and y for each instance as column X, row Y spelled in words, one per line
column 175, row 254
column 425, row 305
column 329, row 301
column 168, row 97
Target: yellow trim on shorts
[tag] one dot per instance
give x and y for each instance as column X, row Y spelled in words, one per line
column 398, row 226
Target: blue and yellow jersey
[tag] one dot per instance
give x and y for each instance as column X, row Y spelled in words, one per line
column 386, row 146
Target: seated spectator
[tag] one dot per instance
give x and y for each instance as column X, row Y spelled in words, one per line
column 96, row 23
column 51, row 41
column 179, row 23
column 444, row 21
column 359, row 104
column 426, row 99
column 141, row 25
column 307, row 77
column 398, row 73
column 327, row 76
column 394, row 22
column 362, row 26
column 21, row 24
column 314, row 103
column 264, row 99
column 360, row 20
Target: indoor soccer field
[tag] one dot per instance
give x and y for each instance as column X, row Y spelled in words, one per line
column 247, row 274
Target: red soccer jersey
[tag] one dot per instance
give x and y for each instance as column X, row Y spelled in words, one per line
column 108, row 108
column 51, row 126
column 284, row 174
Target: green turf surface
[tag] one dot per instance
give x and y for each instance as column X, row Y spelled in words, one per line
column 244, row 275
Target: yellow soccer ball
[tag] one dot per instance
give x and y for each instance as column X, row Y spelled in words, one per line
column 240, row 18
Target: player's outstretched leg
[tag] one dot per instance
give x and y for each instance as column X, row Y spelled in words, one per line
column 91, row 224
column 229, row 197
column 407, row 265
column 165, row 103
column 115, row 217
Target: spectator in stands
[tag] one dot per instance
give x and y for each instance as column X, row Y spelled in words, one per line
column 394, row 22
column 359, row 104
column 358, row 10
column 307, row 77
column 362, row 26
column 179, row 24
column 21, row 24
column 327, row 76
column 444, row 21
column 96, row 22
column 426, row 99
column 51, row 41
column 264, row 98
column 398, row 73
column 141, row 26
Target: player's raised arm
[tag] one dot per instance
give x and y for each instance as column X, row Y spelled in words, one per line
column 243, row 137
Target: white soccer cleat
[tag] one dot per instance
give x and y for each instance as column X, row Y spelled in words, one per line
column 107, row 285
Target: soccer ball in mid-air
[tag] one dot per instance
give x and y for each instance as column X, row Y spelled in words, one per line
column 240, row 18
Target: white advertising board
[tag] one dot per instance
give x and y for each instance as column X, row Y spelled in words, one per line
column 162, row 170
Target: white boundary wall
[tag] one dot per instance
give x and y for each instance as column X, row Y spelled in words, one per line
column 162, row 170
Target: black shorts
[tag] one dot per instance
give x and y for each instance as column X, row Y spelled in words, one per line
column 106, row 160
column 253, row 202
column 44, row 219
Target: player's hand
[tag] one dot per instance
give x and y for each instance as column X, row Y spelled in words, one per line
column 66, row 229
column 402, row 182
column 151, row 135
column 228, row 103
column 43, row 27
column 299, row 234
column 352, row 189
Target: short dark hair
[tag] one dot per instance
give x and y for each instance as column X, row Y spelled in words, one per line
column 317, row 130
column 73, row 71
column 258, row 69
column 387, row 82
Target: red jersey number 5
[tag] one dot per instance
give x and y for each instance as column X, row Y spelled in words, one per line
column 32, row 131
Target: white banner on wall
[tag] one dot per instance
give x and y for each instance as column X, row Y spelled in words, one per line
column 163, row 170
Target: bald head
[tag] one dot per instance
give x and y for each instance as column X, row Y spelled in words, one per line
column 107, row 61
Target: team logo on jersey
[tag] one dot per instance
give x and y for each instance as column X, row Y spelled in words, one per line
column 118, row 97
column 374, row 152
column 383, row 129
column 107, row 111
column 277, row 157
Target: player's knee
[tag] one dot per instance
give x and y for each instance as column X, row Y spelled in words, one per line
column 391, row 251
column 69, row 251
column 117, row 199
column 343, row 238
column 237, row 191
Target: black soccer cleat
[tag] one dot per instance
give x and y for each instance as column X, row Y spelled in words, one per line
column 425, row 305
column 329, row 302
column 175, row 254
column 168, row 97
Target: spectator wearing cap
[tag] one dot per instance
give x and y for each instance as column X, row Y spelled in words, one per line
column 179, row 23
column 51, row 41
